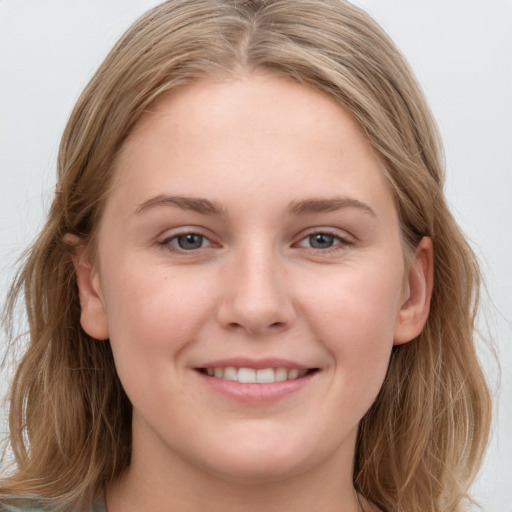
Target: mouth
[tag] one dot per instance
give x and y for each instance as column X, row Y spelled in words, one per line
column 248, row 375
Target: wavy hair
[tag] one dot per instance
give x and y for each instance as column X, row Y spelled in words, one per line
column 421, row 443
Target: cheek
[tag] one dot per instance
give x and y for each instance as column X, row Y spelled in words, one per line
column 154, row 312
column 153, row 317
column 353, row 314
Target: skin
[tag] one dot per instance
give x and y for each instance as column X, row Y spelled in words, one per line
column 259, row 285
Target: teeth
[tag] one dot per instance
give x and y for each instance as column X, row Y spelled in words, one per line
column 281, row 374
column 230, row 373
column 266, row 375
column 246, row 375
column 252, row 376
column 293, row 374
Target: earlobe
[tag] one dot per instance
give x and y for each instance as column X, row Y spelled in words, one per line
column 93, row 318
column 415, row 307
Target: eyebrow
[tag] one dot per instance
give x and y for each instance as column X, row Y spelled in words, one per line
column 309, row 206
column 194, row 204
column 207, row 207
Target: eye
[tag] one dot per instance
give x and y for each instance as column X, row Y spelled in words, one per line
column 190, row 241
column 323, row 241
column 320, row 240
column 186, row 242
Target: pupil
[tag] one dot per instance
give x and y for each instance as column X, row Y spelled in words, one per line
column 190, row 241
column 321, row 241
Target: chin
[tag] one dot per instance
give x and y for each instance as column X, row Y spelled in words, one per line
column 264, row 460
column 259, row 471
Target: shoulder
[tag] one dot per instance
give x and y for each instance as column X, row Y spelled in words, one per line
column 34, row 506
column 22, row 507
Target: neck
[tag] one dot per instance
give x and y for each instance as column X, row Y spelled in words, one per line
column 126, row 495
column 159, row 487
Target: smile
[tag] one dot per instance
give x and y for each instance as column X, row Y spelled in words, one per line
column 255, row 376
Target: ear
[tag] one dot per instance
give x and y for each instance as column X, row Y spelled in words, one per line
column 93, row 318
column 417, row 294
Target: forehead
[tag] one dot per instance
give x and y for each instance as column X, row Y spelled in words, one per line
column 259, row 100
column 266, row 133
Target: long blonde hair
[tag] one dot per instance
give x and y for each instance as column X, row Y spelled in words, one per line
column 421, row 443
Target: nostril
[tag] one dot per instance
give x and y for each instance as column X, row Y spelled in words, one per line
column 255, row 317
column 275, row 326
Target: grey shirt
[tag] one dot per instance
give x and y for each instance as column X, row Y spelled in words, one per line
column 32, row 506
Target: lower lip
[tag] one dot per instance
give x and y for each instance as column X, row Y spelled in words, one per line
column 256, row 393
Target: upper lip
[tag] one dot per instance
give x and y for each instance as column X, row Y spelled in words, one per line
column 257, row 364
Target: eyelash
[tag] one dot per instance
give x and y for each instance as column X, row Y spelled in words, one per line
column 171, row 243
column 168, row 244
column 339, row 242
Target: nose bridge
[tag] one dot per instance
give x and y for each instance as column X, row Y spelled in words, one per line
column 257, row 298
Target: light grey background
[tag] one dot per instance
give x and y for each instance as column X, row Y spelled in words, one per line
column 461, row 51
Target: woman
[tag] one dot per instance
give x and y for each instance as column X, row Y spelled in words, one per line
column 273, row 306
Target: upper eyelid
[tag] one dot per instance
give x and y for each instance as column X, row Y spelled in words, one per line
column 337, row 232
column 171, row 233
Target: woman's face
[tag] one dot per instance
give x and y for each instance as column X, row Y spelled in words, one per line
column 250, row 276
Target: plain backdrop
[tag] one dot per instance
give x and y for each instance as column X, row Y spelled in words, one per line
column 461, row 51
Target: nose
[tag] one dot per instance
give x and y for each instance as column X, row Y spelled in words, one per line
column 257, row 300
